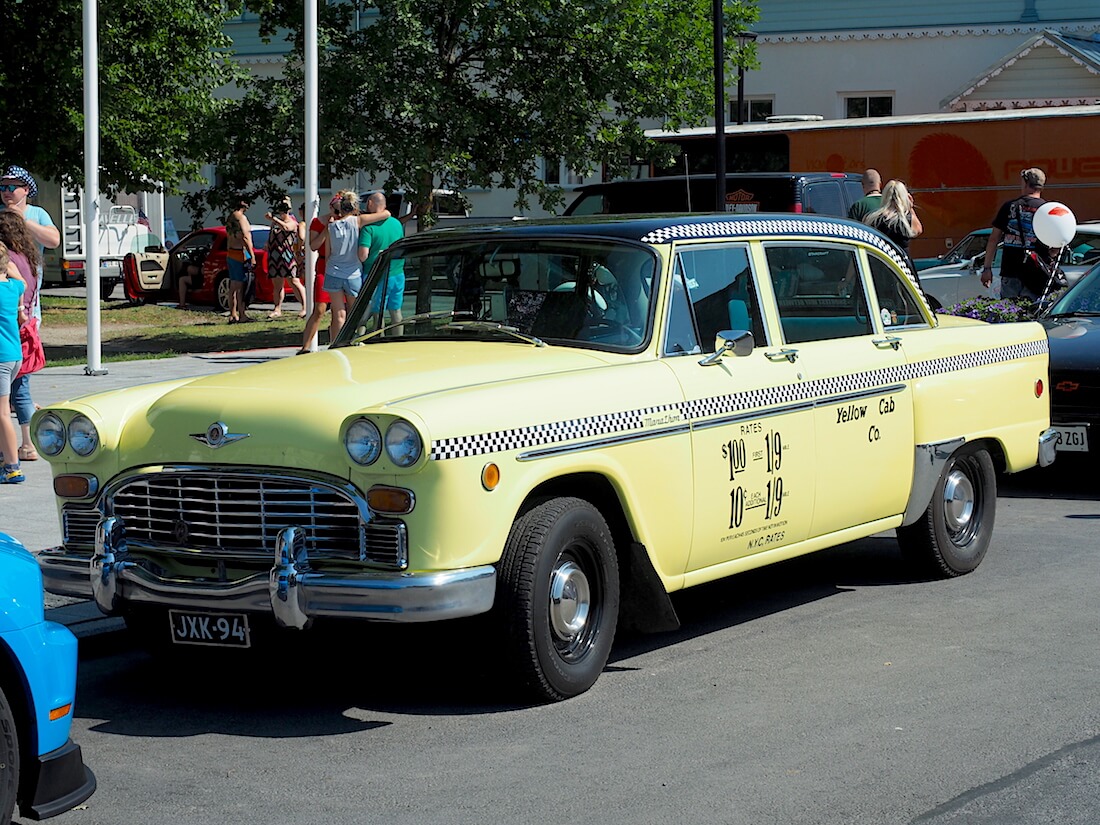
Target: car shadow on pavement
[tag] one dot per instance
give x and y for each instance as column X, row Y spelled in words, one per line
column 342, row 677
column 1071, row 477
column 871, row 562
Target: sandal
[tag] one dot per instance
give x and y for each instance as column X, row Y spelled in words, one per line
column 28, row 453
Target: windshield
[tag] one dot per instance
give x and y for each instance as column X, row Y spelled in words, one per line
column 1083, row 297
column 562, row 291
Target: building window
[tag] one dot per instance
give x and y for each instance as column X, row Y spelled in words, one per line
column 869, row 106
column 557, row 173
column 757, row 110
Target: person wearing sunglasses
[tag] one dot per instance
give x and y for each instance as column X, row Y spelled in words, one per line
column 16, row 186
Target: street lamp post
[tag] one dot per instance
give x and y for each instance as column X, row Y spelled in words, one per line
column 718, row 17
column 743, row 39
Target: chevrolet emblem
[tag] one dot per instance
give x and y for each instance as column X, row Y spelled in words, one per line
column 218, row 435
column 1067, row 386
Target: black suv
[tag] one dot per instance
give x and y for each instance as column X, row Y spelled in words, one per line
column 823, row 193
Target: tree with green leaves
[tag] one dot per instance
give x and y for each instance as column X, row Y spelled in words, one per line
column 160, row 64
column 473, row 93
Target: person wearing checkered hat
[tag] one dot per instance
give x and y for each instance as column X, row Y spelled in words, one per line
column 16, row 186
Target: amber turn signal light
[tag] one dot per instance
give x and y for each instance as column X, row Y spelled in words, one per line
column 396, row 500
column 61, row 712
column 75, row 486
column 490, row 477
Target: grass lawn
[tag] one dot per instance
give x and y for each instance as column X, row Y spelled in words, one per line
column 135, row 332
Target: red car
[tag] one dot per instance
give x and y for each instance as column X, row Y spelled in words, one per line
column 154, row 276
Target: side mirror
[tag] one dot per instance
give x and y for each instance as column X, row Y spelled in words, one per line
column 738, row 341
column 155, row 248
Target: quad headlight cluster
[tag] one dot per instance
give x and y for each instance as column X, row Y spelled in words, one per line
column 402, row 443
column 52, row 435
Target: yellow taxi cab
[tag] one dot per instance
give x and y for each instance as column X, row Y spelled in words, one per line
column 555, row 424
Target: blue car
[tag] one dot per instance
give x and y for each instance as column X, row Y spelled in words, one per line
column 41, row 768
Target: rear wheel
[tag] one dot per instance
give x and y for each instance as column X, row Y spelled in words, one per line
column 9, row 760
column 953, row 534
column 558, row 597
column 221, row 291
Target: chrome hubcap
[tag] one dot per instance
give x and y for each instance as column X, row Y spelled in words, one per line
column 570, row 600
column 958, row 495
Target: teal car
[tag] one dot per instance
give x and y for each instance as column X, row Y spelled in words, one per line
column 41, row 768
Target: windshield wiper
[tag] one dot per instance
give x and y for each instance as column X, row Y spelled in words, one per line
column 1077, row 313
column 412, row 319
column 493, row 326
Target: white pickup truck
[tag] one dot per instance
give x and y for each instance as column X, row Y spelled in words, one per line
column 129, row 223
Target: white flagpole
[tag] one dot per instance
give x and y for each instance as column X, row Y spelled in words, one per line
column 310, row 180
column 91, row 184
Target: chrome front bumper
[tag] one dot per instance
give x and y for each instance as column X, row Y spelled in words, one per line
column 290, row 590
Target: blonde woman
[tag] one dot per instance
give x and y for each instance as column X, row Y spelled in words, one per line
column 343, row 255
column 897, row 218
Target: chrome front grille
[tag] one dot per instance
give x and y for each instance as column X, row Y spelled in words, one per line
column 78, row 525
column 239, row 515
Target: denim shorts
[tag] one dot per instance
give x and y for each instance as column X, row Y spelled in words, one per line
column 349, row 286
column 8, row 371
column 395, row 293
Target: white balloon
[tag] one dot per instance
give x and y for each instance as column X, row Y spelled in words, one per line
column 1054, row 224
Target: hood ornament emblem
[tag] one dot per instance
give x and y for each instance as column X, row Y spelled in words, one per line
column 218, row 435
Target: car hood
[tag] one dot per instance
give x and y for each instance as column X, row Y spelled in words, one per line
column 289, row 412
column 20, row 586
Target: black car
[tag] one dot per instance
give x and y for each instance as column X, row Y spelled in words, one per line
column 822, row 193
column 1073, row 329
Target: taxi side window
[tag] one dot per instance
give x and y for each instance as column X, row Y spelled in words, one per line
column 818, row 292
column 719, row 285
column 896, row 304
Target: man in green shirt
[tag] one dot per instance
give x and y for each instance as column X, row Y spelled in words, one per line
column 376, row 237
column 872, row 196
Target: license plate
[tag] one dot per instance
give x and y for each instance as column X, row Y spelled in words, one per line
column 1072, row 439
column 217, row 629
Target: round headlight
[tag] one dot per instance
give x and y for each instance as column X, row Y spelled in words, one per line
column 83, row 436
column 403, row 444
column 363, row 442
column 50, row 434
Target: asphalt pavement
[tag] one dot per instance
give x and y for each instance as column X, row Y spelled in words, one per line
column 28, row 511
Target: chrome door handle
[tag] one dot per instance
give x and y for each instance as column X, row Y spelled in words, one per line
column 891, row 341
column 783, row 354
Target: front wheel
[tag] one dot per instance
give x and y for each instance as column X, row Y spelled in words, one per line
column 952, row 536
column 558, row 597
column 9, row 760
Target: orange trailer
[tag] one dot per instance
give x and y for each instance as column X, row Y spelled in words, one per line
column 960, row 167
